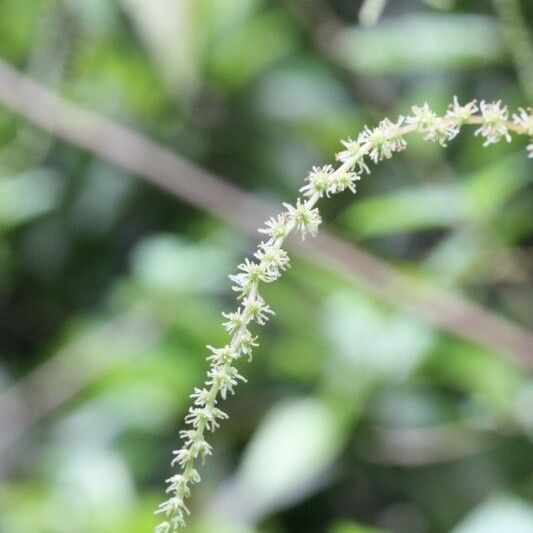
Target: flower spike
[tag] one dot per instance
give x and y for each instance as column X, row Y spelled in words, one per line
column 372, row 144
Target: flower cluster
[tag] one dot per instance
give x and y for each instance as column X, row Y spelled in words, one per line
column 326, row 181
column 270, row 260
column 434, row 128
column 459, row 114
column 223, row 376
column 276, row 228
column 354, row 153
column 495, row 124
column 524, row 119
column 318, row 181
column 384, row 140
column 304, row 217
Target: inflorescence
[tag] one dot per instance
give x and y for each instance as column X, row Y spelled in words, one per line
column 492, row 119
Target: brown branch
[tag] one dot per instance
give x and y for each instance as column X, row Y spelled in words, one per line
column 159, row 166
column 419, row 446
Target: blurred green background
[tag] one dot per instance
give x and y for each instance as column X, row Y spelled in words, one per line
column 358, row 417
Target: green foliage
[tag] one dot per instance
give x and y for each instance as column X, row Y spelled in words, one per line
column 111, row 288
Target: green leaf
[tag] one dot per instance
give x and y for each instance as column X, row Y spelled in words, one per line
column 370, row 341
column 439, row 205
column 28, row 195
column 166, row 262
column 354, row 527
column 286, row 459
column 242, row 54
column 433, row 206
column 498, row 514
column 418, row 42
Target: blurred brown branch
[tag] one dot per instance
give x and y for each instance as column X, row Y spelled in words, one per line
column 159, row 166
column 416, row 446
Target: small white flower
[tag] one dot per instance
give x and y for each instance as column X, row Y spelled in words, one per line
column 172, row 505
column 494, row 122
column 384, row 139
column 221, row 356
column 305, row 218
column 317, row 181
column 189, row 436
column 258, row 309
column 274, row 257
column 444, row 132
column 182, row 456
column 342, row 181
column 225, row 378
column 207, row 415
column 354, row 154
column 250, row 274
column 235, row 321
column 353, row 150
column 524, row 119
column 178, row 484
column 460, row 113
column 242, row 284
column 163, row 527
column 255, row 272
column 423, row 118
column 174, row 509
column 246, row 343
column 201, row 448
column 434, row 128
column 276, row 228
column 197, row 448
column 200, row 396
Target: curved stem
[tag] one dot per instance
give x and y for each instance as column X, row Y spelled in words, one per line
column 378, row 144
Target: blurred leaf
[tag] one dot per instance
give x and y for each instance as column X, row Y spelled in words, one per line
column 123, row 344
column 95, row 489
column 23, row 507
column 220, row 526
column 421, row 42
column 39, row 507
column 168, row 28
column 223, row 17
column 302, row 91
column 499, row 514
column 473, row 370
column 371, row 342
column 457, row 253
column 166, row 262
column 100, row 200
column 439, row 205
column 488, row 189
column 28, row 195
column 242, row 54
column 118, row 81
column 98, row 18
column 299, row 357
column 354, row 527
column 433, row 206
column 17, row 25
column 6, row 266
column 410, row 407
column 288, row 455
